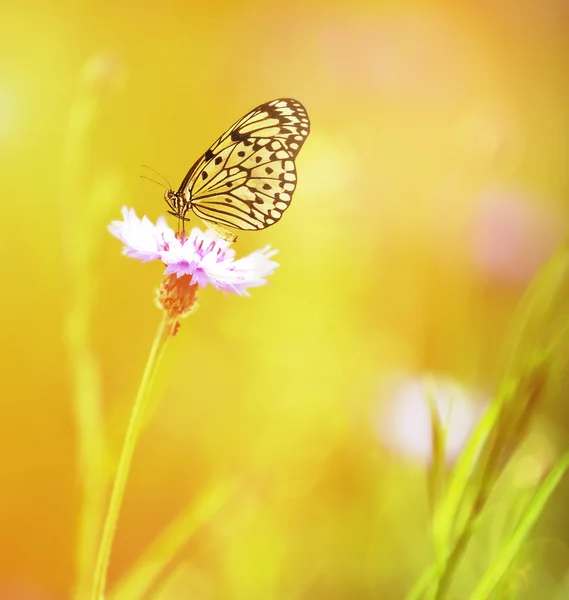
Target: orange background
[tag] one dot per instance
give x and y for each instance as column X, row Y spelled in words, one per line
column 424, row 116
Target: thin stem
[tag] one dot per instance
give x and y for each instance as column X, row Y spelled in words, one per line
column 462, row 540
column 452, row 562
column 78, row 231
column 134, row 426
column 475, row 512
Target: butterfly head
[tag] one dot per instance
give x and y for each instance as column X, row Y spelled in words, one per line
column 177, row 204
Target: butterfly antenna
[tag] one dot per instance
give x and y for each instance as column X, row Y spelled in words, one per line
column 156, row 182
column 159, row 174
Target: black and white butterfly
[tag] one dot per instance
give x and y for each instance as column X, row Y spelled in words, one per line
column 246, row 179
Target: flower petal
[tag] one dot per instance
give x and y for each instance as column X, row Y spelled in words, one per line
column 142, row 239
column 203, row 255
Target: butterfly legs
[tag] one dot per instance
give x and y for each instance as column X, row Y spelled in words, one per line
column 181, row 220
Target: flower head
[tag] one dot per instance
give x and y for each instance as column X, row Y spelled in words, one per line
column 513, row 235
column 199, row 258
column 403, row 423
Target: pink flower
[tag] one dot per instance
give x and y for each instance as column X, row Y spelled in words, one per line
column 402, row 418
column 513, row 235
column 203, row 256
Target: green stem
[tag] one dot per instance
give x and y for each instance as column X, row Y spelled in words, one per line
column 132, row 433
column 452, row 563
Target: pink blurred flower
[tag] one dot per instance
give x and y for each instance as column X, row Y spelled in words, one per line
column 401, row 53
column 512, row 236
column 104, row 71
column 402, row 419
column 203, row 256
column 537, row 18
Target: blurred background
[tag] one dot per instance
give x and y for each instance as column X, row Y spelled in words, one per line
column 432, row 187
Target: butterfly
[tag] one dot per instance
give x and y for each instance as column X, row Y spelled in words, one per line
column 246, row 179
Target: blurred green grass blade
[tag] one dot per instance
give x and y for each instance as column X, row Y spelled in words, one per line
column 531, row 327
column 435, row 474
column 78, row 234
column 422, row 585
column 445, row 516
column 529, row 334
column 84, row 365
column 512, row 546
column 141, row 577
column 185, row 581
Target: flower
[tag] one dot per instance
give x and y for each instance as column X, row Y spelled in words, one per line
column 513, row 235
column 199, row 258
column 104, row 72
column 403, row 423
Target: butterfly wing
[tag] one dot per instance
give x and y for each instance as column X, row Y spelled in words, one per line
column 246, row 179
column 251, row 190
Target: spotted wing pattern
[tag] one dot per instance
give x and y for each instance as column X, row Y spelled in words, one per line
column 246, row 179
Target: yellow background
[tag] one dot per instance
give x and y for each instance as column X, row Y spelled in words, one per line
column 418, row 112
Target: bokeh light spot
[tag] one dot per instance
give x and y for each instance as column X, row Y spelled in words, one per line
column 403, row 422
